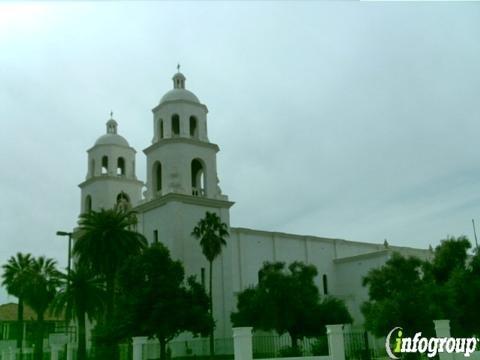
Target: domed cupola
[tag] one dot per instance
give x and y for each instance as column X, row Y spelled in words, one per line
column 111, row 137
column 180, row 114
column 179, row 92
column 111, row 167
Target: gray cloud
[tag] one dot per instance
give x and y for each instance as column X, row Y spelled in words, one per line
column 353, row 120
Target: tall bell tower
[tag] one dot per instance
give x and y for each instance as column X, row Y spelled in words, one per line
column 182, row 185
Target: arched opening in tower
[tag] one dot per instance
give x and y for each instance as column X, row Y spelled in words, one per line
column 157, row 178
column 160, row 128
column 104, row 165
column 175, row 125
column 88, row 204
column 121, row 166
column 198, row 178
column 193, row 127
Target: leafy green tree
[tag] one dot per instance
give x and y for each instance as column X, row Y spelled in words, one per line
column 456, row 278
column 105, row 239
column 15, row 275
column 43, row 280
column 211, row 232
column 154, row 299
column 288, row 301
column 396, row 290
column 81, row 294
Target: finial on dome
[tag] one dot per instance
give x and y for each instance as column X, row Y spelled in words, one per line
column 178, row 79
column 111, row 125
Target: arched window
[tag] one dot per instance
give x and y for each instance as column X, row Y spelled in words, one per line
column 325, row 284
column 104, row 165
column 88, row 203
column 121, row 166
column 157, row 178
column 198, row 178
column 92, row 167
column 160, row 128
column 122, row 197
column 175, row 125
column 193, row 127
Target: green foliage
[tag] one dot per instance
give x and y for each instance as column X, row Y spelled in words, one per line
column 212, row 233
column 288, row 301
column 15, row 274
column 15, row 278
column 105, row 239
column 80, row 294
column 155, row 300
column 41, row 287
column 320, row 347
column 290, row 351
column 411, row 293
column 396, row 290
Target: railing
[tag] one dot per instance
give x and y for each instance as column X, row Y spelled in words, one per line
column 198, row 191
column 360, row 345
column 275, row 346
column 193, row 348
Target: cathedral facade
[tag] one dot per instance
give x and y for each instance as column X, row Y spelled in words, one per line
column 182, row 184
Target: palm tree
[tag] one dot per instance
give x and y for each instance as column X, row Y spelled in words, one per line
column 43, row 280
column 211, row 232
column 81, row 294
column 15, row 274
column 105, row 239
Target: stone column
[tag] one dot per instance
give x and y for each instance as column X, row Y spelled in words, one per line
column 336, row 345
column 442, row 329
column 242, row 343
column 138, row 342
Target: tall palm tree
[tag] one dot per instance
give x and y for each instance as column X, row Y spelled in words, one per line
column 81, row 294
column 105, row 239
column 211, row 232
column 41, row 288
column 15, row 275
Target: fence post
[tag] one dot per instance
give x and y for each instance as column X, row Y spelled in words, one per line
column 138, row 342
column 336, row 343
column 442, row 329
column 242, row 343
column 54, row 349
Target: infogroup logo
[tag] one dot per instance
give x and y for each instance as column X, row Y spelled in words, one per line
column 431, row 346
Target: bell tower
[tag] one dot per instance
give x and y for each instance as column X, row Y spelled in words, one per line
column 111, row 175
column 181, row 159
column 182, row 185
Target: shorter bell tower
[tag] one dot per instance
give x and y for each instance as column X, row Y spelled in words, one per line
column 111, row 175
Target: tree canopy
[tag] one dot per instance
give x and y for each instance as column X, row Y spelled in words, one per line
column 411, row 293
column 288, row 301
column 155, row 300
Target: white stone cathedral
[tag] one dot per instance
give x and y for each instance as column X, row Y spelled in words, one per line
column 182, row 184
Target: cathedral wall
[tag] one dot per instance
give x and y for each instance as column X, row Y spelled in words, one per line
column 174, row 221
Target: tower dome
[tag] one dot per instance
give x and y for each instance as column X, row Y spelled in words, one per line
column 111, row 137
column 179, row 92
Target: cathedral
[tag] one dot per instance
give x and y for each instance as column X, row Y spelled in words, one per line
column 182, row 184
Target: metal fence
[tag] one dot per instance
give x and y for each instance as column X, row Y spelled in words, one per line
column 360, row 345
column 196, row 348
column 278, row 346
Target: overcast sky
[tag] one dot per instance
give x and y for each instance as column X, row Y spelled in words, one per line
column 350, row 120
